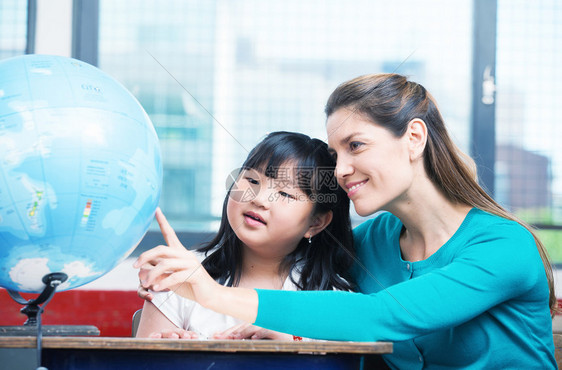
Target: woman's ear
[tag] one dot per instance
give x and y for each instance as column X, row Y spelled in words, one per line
column 417, row 138
column 319, row 223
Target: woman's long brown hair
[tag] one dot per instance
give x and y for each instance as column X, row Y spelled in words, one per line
column 392, row 101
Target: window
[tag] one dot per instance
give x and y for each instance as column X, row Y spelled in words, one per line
column 13, row 28
column 529, row 92
column 217, row 76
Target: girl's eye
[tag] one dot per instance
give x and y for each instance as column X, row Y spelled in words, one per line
column 251, row 180
column 354, row 145
column 287, row 195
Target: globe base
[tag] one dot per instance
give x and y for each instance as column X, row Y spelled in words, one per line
column 33, row 311
column 32, row 308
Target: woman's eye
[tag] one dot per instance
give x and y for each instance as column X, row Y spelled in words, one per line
column 354, row 145
column 252, row 181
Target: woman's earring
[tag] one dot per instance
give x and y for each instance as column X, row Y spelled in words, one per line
column 310, row 239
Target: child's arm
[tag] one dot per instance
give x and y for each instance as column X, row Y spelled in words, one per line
column 154, row 324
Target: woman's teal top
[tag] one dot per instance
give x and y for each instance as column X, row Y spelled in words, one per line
column 480, row 301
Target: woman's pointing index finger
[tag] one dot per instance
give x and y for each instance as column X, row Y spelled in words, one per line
column 167, row 231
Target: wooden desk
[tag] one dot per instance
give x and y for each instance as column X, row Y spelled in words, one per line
column 132, row 353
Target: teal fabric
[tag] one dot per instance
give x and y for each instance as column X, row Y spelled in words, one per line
column 480, row 301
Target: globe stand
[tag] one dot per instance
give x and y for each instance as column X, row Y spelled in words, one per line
column 33, row 311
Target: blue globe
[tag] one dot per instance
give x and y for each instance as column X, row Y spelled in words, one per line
column 80, row 172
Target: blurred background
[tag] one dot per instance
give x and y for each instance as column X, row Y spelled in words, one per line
column 215, row 76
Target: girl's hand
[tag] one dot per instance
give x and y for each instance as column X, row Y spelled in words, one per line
column 249, row 331
column 175, row 334
column 173, row 267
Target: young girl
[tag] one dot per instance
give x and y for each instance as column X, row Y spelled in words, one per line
column 285, row 226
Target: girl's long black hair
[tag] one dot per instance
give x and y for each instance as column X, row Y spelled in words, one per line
column 324, row 263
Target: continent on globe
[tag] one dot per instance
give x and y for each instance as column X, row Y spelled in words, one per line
column 80, row 172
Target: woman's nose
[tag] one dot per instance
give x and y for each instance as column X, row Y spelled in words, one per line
column 343, row 169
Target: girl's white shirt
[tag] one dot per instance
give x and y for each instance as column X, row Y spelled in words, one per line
column 191, row 316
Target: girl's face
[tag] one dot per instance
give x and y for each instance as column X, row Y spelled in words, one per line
column 373, row 166
column 270, row 216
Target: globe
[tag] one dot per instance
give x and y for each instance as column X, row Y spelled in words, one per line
column 80, row 172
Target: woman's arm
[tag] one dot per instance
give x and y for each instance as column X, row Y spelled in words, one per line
column 492, row 268
column 500, row 265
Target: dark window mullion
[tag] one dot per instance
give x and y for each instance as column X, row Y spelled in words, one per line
column 85, row 25
column 483, row 139
column 31, row 26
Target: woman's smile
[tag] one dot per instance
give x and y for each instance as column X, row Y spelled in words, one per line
column 353, row 187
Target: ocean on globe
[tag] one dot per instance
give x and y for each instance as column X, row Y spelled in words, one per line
column 80, row 172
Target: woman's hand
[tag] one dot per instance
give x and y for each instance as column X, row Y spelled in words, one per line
column 173, row 267
column 249, row 331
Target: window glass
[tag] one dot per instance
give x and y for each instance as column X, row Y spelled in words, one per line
column 529, row 92
column 216, row 76
column 13, row 28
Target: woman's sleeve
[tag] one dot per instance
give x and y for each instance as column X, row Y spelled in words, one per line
column 484, row 274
